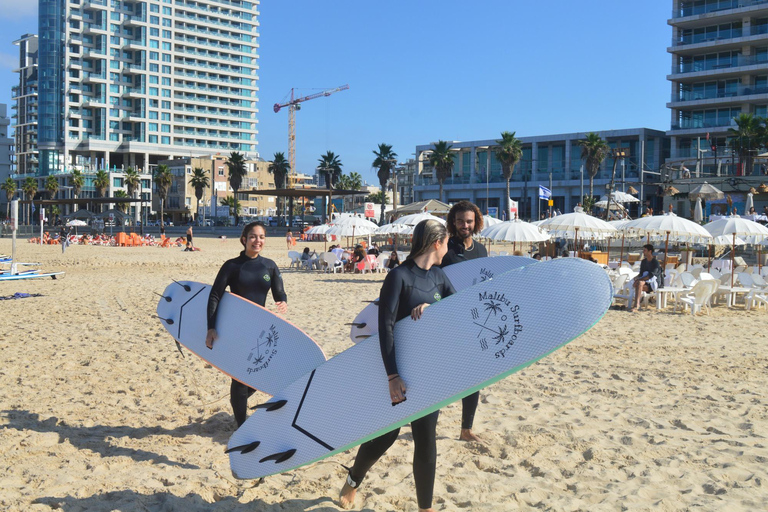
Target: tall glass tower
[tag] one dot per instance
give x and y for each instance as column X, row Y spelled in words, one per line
column 130, row 83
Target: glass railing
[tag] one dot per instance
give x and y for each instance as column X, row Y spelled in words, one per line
column 226, row 47
column 723, row 64
column 700, row 7
column 739, row 91
column 692, row 125
column 198, row 76
column 208, row 33
column 207, row 21
column 215, row 12
column 219, row 69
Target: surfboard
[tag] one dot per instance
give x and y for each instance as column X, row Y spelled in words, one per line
column 462, row 275
column 255, row 346
column 461, row 344
column 17, row 277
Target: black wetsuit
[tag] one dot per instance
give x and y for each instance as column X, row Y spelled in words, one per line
column 252, row 279
column 405, row 287
column 456, row 254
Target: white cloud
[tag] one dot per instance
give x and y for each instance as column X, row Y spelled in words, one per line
column 18, row 9
column 9, row 61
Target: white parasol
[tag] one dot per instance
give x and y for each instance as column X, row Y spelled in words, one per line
column 734, row 226
column 621, row 197
column 415, row 218
column 515, row 231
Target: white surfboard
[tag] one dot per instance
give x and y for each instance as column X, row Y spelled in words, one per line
column 25, row 275
column 460, row 345
column 462, row 275
column 255, row 346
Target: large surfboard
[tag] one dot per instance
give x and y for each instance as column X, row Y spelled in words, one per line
column 460, row 345
column 255, row 346
column 462, row 275
column 26, row 275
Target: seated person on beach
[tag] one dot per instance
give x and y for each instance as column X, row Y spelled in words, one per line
column 393, row 260
column 537, row 256
column 650, row 277
column 357, row 257
column 566, row 253
column 374, row 249
column 310, row 257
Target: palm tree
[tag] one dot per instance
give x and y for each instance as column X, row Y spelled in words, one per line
column 199, row 181
column 163, row 180
column 330, row 167
column 442, row 161
column 749, row 135
column 279, row 167
column 29, row 187
column 133, row 183
column 385, row 161
column 9, row 187
column 237, row 172
column 233, row 204
column 593, row 151
column 101, row 184
column 51, row 186
column 355, row 181
column 77, row 181
column 509, row 153
column 121, row 206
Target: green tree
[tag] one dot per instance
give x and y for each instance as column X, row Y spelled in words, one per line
column 101, row 184
column 377, row 197
column 122, row 194
column 9, row 187
column 330, row 167
column 77, row 181
column 199, row 181
column 508, row 154
column 279, row 167
column 748, row 136
column 441, row 160
column 237, row 172
column 385, row 161
column 233, row 204
column 51, row 186
column 163, row 181
column 593, row 151
column 133, row 184
column 29, row 187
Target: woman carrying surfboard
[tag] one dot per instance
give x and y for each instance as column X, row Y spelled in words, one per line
column 407, row 291
column 250, row 276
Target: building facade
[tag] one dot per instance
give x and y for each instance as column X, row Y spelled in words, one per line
column 137, row 82
column 553, row 161
column 26, row 106
column 719, row 70
column 6, row 144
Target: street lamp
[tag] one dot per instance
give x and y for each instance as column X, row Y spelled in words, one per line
column 617, row 153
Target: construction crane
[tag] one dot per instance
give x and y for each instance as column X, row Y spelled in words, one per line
column 294, row 105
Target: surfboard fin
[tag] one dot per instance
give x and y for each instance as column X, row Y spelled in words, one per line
column 178, row 346
column 244, row 448
column 166, row 320
column 280, row 457
column 358, row 325
column 363, row 336
column 270, row 406
column 186, row 287
column 167, row 299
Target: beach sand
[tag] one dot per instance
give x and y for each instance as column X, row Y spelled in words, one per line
column 100, row 412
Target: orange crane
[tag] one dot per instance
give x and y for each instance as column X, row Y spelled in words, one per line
column 294, row 105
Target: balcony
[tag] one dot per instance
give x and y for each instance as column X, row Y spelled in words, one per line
column 94, row 28
column 134, row 20
column 732, row 67
column 89, row 76
column 710, row 7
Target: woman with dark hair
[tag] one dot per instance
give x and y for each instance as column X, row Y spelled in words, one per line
column 407, row 291
column 393, row 260
column 250, row 276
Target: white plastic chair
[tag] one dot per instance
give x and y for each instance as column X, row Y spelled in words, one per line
column 698, row 298
column 381, row 262
column 295, row 259
column 715, row 273
column 620, row 290
column 332, row 262
column 696, row 272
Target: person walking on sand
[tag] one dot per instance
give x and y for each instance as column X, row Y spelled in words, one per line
column 465, row 220
column 407, row 291
column 250, row 276
column 289, row 239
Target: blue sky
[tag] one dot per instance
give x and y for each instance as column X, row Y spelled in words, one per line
column 425, row 70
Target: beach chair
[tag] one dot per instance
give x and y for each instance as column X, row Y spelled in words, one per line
column 381, row 262
column 295, row 259
column 372, row 261
column 620, row 290
column 365, row 265
column 698, row 297
column 332, row 262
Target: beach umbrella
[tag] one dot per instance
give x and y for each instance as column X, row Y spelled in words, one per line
column 575, row 223
column 515, row 231
column 76, row 223
column 621, row 197
column 706, row 192
column 394, row 229
column 618, row 224
column 734, row 226
column 668, row 224
column 750, row 204
column 490, row 221
column 415, row 218
column 698, row 213
column 322, row 229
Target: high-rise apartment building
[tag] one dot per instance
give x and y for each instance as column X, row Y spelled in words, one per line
column 130, row 83
column 719, row 70
column 6, row 144
column 25, row 97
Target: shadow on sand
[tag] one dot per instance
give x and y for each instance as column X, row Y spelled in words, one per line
column 96, row 438
column 130, row 500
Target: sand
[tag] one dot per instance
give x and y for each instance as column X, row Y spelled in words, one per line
column 100, row 412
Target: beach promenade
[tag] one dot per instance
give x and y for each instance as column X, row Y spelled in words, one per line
column 100, row 412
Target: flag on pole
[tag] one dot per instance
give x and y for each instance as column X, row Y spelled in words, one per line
column 544, row 192
column 512, row 209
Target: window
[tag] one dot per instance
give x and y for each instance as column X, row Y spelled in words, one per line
column 154, row 56
column 166, row 93
column 152, row 114
column 153, row 43
column 166, row 128
column 153, row 139
column 166, row 34
column 153, row 103
column 154, row 8
column 117, row 182
column 154, row 20
column 166, row 105
column 167, row 11
column 153, row 91
column 153, row 79
column 167, row 46
column 154, row 68
column 166, row 140
column 166, row 116
column 114, row 64
column 221, row 171
column 154, row 32
column 166, row 70
column 114, row 40
column 166, row 57
column 167, row 22
column 152, row 127
column 166, row 81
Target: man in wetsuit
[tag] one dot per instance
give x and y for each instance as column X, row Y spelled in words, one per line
column 465, row 220
column 250, row 276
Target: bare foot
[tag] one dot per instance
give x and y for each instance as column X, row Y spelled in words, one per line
column 427, row 509
column 467, row 435
column 347, row 497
